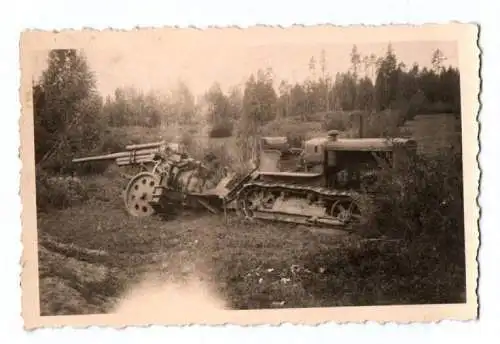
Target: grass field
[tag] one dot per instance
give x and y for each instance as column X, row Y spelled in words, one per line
column 233, row 256
column 434, row 131
column 246, row 265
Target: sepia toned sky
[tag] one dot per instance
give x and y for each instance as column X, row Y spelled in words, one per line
column 157, row 62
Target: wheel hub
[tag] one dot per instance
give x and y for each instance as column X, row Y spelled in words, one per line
column 139, row 193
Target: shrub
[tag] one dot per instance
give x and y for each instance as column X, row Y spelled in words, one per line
column 439, row 108
column 423, row 202
column 382, row 124
column 92, row 168
column 418, row 256
column 376, row 272
column 375, row 124
column 332, row 123
column 420, row 205
column 58, row 192
column 340, row 120
column 220, row 131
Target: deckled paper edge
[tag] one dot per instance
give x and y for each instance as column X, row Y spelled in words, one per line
column 467, row 34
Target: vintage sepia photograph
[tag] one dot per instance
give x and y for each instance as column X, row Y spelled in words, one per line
column 176, row 171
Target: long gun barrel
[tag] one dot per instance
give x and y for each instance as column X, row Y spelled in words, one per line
column 145, row 145
column 134, row 154
column 105, row 157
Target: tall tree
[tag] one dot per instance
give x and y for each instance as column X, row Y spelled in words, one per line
column 312, row 67
column 235, row 100
column 66, row 107
column 183, row 103
column 259, row 106
column 218, row 108
column 284, row 100
column 345, row 90
column 298, row 101
column 437, row 61
column 355, row 60
column 386, row 84
column 365, row 94
column 325, row 80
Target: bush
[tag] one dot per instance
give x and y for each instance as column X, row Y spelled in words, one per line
column 344, row 121
column 334, row 124
column 418, row 256
column 438, row 108
column 220, row 131
column 58, row 192
column 92, row 168
column 377, row 272
column 375, row 124
column 338, row 120
column 423, row 202
column 382, row 124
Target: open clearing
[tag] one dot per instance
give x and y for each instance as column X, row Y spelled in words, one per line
column 245, row 265
column 242, row 265
column 249, row 266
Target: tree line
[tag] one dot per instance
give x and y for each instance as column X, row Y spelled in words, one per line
column 371, row 84
column 70, row 114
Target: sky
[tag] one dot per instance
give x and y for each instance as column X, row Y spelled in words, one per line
column 157, row 63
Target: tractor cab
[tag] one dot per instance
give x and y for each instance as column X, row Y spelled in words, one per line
column 348, row 163
column 312, row 155
column 277, row 155
column 338, row 163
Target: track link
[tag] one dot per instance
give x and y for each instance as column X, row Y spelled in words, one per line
column 330, row 198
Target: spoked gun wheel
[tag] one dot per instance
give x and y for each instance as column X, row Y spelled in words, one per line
column 139, row 193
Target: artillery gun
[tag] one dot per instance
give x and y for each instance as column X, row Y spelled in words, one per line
column 163, row 166
column 322, row 189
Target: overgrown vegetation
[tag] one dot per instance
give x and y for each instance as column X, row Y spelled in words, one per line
column 423, row 208
column 67, row 109
column 414, row 253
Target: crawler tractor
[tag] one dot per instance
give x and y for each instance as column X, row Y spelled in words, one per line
column 326, row 185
